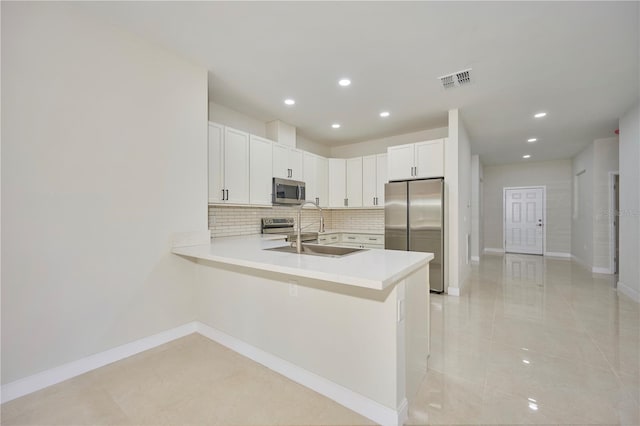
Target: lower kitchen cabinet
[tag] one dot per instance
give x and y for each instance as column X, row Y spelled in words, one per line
column 375, row 241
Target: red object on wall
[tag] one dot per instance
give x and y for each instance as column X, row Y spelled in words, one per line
column 617, row 132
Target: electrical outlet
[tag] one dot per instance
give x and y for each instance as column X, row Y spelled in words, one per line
column 293, row 288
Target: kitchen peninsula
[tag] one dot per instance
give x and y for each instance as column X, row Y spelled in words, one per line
column 354, row 328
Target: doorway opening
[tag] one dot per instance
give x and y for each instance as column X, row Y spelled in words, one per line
column 524, row 219
column 614, row 222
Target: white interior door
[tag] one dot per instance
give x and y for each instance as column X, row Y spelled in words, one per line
column 523, row 214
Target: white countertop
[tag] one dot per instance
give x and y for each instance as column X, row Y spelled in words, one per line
column 370, row 268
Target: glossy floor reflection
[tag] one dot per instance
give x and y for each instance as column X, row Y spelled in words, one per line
column 532, row 340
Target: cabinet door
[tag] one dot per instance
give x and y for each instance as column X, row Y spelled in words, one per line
column 281, row 161
column 400, row 162
column 236, row 171
column 369, row 181
column 354, row 182
column 216, row 163
column 322, row 181
column 296, row 164
column 260, row 171
column 430, row 159
column 310, row 176
column 337, row 182
column 381, row 178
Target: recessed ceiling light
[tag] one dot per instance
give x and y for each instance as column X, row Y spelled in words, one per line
column 526, row 156
column 384, row 114
column 344, row 82
column 532, row 140
column 540, row 114
column 335, row 125
column 289, row 102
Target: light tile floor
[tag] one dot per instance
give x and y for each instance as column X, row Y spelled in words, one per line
column 531, row 341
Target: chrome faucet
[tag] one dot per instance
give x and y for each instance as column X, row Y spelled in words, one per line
column 299, row 229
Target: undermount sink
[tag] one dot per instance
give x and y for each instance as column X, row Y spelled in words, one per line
column 319, row 250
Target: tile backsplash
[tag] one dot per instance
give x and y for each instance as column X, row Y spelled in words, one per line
column 358, row 219
column 232, row 221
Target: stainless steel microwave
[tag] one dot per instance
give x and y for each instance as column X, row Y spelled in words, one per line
column 286, row 191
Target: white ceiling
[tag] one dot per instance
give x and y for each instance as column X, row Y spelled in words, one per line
column 578, row 61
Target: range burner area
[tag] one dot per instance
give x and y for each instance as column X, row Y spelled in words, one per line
column 285, row 226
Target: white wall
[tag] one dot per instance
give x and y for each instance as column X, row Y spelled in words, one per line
column 232, row 118
column 582, row 207
column 312, row 146
column 104, row 140
column 606, row 160
column 457, row 175
column 629, row 277
column 591, row 210
column 379, row 146
column 476, row 208
column 555, row 175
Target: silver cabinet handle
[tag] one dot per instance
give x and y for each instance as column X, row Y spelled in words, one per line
column 372, row 239
column 318, row 200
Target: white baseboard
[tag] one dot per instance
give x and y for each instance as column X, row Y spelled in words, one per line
column 598, row 270
column 72, row 369
column 453, row 291
column 360, row 404
column 493, row 250
column 628, row 291
column 557, row 254
column 475, row 259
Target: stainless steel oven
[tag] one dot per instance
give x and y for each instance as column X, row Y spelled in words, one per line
column 286, row 191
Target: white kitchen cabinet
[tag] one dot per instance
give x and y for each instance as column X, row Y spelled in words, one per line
column 429, row 159
column 315, row 176
column 337, row 182
column 322, row 182
column 260, row 170
column 354, row 182
column 374, row 176
column 359, row 240
column 228, row 165
column 287, row 162
column 416, row 160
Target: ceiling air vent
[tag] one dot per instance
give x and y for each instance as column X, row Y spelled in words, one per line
column 458, row 78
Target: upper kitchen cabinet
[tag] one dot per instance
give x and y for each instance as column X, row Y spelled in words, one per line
column 374, row 176
column 316, row 178
column 228, row 165
column 260, row 170
column 287, row 162
column 416, row 160
column 345, row 182
column 337, row 182
column 354, row 182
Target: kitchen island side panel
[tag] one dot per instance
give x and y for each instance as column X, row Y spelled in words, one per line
column 345, row 334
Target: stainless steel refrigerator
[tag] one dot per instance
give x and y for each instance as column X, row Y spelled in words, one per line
column 414, row 221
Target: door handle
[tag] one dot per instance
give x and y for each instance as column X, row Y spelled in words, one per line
column 227, row 194
column 223, row 195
